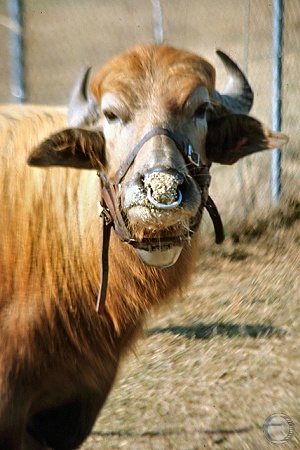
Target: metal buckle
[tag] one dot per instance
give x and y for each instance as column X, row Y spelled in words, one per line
column 104, row 213
column 194, row 157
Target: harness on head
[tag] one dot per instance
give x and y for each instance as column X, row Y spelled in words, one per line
column 112, row 217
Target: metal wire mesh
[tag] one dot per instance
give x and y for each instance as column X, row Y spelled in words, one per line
column 60, row 36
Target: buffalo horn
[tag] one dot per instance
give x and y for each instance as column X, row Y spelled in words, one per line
column 82, row 108
column 238, row 95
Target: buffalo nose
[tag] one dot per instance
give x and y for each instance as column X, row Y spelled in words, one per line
column 162, row 188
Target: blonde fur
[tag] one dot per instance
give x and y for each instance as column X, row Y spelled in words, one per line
column 54, row 348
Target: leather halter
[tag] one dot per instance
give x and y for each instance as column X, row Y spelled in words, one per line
column 110, row 212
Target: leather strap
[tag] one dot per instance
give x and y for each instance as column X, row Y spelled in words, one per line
column 184, row 146
column 104, row 266
column 112, row 215
column 216, row 219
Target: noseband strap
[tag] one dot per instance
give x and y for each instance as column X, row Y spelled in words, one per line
column 110, row 212
column 183, row 145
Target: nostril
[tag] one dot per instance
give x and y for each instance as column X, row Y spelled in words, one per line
column 162, row 188
column 178, row 177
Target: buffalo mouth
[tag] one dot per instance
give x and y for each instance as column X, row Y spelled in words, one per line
column 160, row 258
column 161, row 210
column 162, row 247
column 161, row 251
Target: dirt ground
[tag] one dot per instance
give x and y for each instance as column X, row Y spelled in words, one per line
column 215, row 364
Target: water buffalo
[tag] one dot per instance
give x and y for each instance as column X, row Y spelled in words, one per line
column 150, row 123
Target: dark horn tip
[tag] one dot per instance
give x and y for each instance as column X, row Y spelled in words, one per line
column 220, row 53
column 82, row 108
column 228, row 62
column 237, row 87
column 84, row 80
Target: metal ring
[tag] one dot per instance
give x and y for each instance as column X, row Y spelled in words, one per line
column 163, row 205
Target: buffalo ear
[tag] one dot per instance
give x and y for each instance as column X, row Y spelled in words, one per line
column 73, row 147
column 232, row 137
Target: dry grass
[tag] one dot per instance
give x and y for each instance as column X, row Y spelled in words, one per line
column 213, row 367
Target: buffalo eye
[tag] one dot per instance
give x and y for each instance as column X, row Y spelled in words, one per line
column 110, row 116
column 201, row 110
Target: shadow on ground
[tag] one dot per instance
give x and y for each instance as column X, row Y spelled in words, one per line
column 167, row 432
column 207, row 331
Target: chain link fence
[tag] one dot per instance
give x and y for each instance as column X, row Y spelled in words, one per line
column 61, row 36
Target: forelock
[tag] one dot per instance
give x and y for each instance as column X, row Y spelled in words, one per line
column 132, row 74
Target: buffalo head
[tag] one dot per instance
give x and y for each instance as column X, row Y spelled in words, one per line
column 157, row 88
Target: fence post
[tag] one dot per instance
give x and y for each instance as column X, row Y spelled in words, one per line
column 158, row 30
column 277, row 95
column 16, row 49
